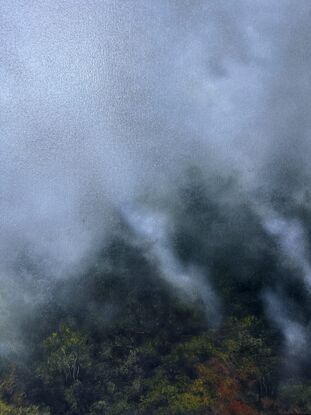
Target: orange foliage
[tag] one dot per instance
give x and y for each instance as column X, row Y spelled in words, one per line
column 224, row 380
column 240, row 408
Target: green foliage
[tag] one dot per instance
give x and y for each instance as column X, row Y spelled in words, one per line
column 298, row 396
column 210, row 372
column 129, row 346
column 6, row 409
column 67, row 354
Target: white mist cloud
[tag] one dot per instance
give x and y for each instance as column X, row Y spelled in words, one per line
column 293, row 243
column 295, row 334
column 152, row 230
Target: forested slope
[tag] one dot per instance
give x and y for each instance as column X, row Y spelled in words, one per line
column 118, row 339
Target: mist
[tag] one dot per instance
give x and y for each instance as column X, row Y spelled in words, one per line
column 105, row 109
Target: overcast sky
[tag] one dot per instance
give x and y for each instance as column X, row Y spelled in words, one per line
column 103, row 101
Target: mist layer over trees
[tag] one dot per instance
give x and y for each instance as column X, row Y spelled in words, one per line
column 155, row 207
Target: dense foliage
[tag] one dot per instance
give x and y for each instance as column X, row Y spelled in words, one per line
column 153, row 354
column 117, row 340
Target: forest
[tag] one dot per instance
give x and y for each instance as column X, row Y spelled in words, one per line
column 155, row 207
column 117, row 339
